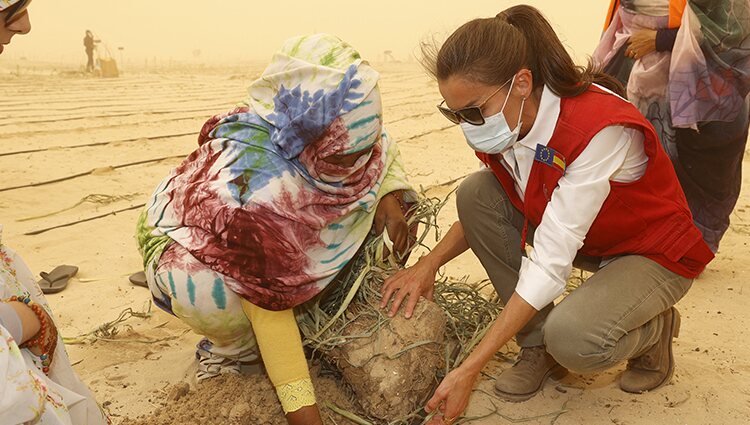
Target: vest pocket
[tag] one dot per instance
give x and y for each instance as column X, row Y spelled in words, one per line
column 680, row 235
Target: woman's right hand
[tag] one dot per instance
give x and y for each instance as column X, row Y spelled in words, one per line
column 414, row 282
column 419, row 279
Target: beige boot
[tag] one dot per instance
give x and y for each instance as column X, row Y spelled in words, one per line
column 527, row 376
column 655, row 367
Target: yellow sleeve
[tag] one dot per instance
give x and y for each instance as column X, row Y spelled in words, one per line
column 281, row 348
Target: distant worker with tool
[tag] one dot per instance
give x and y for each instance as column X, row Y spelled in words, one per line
column 89, row 42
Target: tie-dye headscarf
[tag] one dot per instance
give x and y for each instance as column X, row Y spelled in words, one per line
column 257, row 202
column 309, row 83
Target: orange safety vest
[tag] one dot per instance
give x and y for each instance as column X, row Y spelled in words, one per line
column 676, row 8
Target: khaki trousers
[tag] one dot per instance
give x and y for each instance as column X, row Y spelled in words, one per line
column 612, row 317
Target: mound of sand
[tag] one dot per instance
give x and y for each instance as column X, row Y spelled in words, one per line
column 237, row 400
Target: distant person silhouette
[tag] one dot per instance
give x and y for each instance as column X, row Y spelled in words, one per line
column 89, row 42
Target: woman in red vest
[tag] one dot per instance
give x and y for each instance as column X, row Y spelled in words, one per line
column 579, row 173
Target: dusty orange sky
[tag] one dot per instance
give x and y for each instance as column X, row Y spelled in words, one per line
column 252, row 30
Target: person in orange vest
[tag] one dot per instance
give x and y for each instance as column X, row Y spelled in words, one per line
column 576, row 171
column 686, row 66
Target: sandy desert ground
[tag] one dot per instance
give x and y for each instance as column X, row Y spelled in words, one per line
column 144, row 123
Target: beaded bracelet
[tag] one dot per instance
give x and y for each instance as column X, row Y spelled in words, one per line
column 46, row 329
column 399, row 198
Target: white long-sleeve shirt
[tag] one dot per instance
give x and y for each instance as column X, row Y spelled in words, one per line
column 614, row 154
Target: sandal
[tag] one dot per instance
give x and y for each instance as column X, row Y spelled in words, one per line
column 56, row 280
column 139, row 279
column 211, row 365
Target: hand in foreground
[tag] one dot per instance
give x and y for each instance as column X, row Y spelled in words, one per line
column 641, row 43
column 414, row 282
column 451, row 397
column 389, row 215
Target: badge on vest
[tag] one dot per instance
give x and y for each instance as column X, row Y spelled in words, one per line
column 551, row 157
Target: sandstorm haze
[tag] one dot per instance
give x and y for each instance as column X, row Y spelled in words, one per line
column 81, row 155
column 242, row 30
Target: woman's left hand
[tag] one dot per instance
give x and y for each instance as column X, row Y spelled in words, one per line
column 451, row 397
column 641, row 43
column 389, row 215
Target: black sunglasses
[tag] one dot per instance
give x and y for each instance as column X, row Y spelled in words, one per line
column 16, row 11
column 470, row 114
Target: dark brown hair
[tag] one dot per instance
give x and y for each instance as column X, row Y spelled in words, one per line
column 492, row 50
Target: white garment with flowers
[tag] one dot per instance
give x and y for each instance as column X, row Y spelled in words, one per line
column 27, row 395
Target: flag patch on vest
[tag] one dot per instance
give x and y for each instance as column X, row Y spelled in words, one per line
column 551, row 157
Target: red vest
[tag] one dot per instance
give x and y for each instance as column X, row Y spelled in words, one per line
column 648, row 217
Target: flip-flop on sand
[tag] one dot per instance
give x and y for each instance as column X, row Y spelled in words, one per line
column 56, row 280
column 139, row 279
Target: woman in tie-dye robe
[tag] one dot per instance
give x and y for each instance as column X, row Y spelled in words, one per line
column 686, row 65
column 276, row 200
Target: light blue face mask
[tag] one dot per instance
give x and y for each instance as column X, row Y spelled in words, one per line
column 494, row 136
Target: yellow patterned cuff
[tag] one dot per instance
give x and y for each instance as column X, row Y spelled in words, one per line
column 296, row 395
